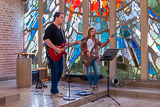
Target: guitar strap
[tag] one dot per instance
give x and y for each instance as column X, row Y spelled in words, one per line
column 63, row 35
column 94, row 45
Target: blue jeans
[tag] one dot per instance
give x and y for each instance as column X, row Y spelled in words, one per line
column 96, row 70
column 56, row 72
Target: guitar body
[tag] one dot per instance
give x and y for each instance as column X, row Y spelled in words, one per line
column 54, row 55
column 88, row 60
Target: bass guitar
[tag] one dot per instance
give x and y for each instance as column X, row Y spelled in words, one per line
column 88, row 60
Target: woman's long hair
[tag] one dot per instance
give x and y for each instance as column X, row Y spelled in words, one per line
column 89, row 34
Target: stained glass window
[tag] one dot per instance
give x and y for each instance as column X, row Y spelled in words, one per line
column 128, row 39
column 154, row 39
column 31, row 28
column 73, row 31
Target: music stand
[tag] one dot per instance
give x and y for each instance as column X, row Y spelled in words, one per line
column 69, row 98
column 108, row 55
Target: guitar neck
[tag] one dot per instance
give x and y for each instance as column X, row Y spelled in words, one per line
column 70, row 45
column 103, row 44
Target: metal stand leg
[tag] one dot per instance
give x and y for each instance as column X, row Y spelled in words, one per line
column 108, row 95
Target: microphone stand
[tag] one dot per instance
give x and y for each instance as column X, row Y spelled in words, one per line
column 69, row 98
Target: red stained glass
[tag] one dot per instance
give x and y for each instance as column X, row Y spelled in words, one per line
column 78, row 3
column 118, row 5
column 68, row 1
column 71, row 8
column 106, row 18
column 97, row 5
column 91, row 7
column 74, row 2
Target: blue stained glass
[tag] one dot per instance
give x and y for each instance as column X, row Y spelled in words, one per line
column 97, row 26
column 75, row 51
column 151, row 13
column 134, row 44
column 130, row 31
column 138, row 52
column 125, row 27
column 126, row 33
column 159, row 17
column 36, row 25
column 34, row 19
column 32, row 33
column 135, row 35
column 72, row 61
column 104, row 25
column 77, row 46
column 138, row 25
column 151, row 71
column 69, row 23
column 97, row 19
column 75, row 56
column 29, row 36
column 78, row 53
column 159, row 34
column 158, row 47
column 25, row 49
column 33, row 8
column 119, row 43
column 129, row 44
column 124, row 46
column 28, row 22
column 43, row 20
column 79, row 37
column 104, row 36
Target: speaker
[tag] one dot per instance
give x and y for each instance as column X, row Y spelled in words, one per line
column 35, row 76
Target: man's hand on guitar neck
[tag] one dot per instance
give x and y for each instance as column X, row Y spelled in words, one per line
column 78, row 42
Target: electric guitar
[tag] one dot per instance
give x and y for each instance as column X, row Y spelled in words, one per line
column 88, row 60
column 55, row 56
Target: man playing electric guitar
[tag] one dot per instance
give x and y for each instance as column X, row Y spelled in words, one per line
column 55, row 40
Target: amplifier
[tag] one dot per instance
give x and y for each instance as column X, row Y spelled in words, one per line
column 42, row 73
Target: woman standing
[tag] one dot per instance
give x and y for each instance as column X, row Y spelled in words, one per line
column 90, row 44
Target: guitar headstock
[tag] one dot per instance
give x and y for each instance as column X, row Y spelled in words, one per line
column 113, row 35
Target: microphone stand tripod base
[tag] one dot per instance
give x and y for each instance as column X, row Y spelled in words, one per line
column 68, row 98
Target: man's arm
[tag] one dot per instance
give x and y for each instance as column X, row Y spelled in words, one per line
column 70, row 43
column 49, row 43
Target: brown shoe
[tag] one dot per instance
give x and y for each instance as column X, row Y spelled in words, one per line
column 58, row 95
column 91, row 86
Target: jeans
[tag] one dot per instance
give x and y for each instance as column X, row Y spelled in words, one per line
column 56, row 72
column 96, row 69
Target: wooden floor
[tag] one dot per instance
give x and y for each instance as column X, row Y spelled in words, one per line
column 31, row 97
column 124, row 102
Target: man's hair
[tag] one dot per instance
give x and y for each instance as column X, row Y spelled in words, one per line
column 57, row 14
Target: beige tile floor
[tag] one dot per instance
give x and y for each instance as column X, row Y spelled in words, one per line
column 31, row 97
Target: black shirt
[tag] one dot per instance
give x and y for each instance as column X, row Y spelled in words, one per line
column 55, row 34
